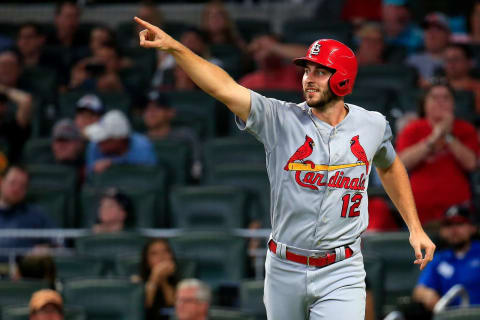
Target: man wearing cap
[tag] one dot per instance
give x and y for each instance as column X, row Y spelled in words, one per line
column 459, row 264
column 89, row 110
column 158, row 116
column 46, row 304
column 67, row 144
column 436, row 39
column 112, row 142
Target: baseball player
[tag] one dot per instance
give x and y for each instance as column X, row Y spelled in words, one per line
column 319, row 154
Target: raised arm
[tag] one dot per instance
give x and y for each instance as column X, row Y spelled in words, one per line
column 209, row 77
column 397, row 185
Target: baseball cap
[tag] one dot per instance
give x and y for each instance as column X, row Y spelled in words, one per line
column 457, row 214
column 436, row 19
column 91, row 102
column 114, row 124
column 43, row 297
column 160, row 99
column 66, row 129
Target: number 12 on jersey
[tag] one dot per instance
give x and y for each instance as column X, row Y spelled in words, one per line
column 351, row 202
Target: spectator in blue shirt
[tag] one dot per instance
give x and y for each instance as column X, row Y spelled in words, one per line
column 112, row 142
column 459, row 264
column 15, row 213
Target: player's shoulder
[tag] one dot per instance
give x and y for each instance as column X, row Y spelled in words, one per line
column 365, row 115
column 277, row 103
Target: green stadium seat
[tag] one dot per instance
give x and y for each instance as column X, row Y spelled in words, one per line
column 129, row 265
column 113, row 101
column 253, row 179
column 208, row 207
column 249, row 28
column 176, row 157
column 110, row 245
column 19, row 292
column 300, row 30
column 466, row 313
column 401, row 274
column 132, row 178
column 283, row 95
column 106, row 299
column 232, row 150
column 54, row 203
column 375, row 277
column 77, row 266
column 194, row 109
column 22, row 312
column 54, row 188
column 143, row 199
column 396, row 77
column 465, row 105
column 231, row 57
column 219, row 257
column 251, row 297
column 41, row 81
column 38, row 151
column 221, row 314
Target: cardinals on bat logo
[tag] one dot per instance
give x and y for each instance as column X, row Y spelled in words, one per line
column 312, row 179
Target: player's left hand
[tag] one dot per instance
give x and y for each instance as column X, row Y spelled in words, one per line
column 420, row 241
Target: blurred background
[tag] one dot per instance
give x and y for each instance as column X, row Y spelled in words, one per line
column 122, row 181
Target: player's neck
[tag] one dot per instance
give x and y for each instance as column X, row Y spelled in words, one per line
column 332, row 113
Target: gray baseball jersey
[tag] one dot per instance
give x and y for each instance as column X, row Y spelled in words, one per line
column 318, row 173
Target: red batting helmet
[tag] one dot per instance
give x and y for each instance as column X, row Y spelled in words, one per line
column 334, row 55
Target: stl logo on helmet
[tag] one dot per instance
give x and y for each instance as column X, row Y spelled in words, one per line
column 315, row 49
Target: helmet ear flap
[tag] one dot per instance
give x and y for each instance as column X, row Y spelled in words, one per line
column 339, row 85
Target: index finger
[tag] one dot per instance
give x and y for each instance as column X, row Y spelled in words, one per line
column 144, row 23
column 428, row 257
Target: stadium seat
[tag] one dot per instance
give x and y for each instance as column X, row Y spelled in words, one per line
column 465, row 105
column 249, row 28
column 253, row 179
column 41, row 81
column 106, row 298
column 251, row 297
column 300, row 30
column 467, row 313
column 38, row 151
column 231, row 150
column 401, row 274
column 115, row 100
column 132, row 178
column 283, row 95
column 143, row 199
column 129, row 265
column 231, row 57
column 108, row 246
column 208, row 207
column 394, row 76
column 22, row 312
column 54, row 202
column 219, row 257
column 194, row 109
column 53, row 187
column 220, row 314
column 19, row 292
column 375, row 277
column 77, row 266
column 176, row 157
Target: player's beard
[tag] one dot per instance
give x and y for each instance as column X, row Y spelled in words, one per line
column 325, row 100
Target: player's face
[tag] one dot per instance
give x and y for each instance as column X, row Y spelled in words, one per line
column 315, row 85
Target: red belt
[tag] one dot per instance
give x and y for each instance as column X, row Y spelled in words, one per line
column 326, row 260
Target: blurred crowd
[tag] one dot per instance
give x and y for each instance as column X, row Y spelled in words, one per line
column 86, row 97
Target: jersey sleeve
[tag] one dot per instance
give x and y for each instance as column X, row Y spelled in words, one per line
column 263, row 121
column 385, row 154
